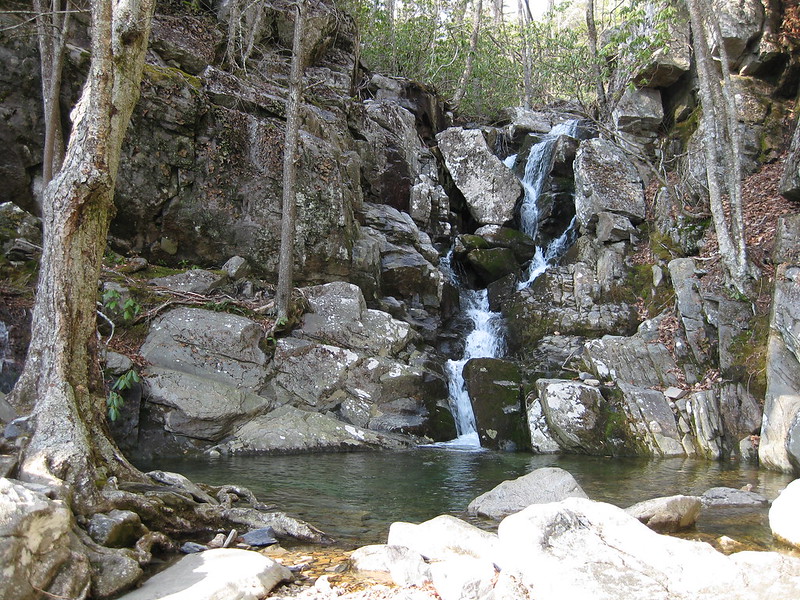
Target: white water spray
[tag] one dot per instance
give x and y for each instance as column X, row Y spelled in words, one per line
column 538, row 166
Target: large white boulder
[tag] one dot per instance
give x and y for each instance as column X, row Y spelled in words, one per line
column 783, row 519
column 224, row 574
column 580, row 549
column 489, row 187
column 444, row 537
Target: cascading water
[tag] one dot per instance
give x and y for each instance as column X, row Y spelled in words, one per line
column 485, row 340
column 537, row 167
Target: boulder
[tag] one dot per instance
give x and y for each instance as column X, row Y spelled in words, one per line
column 38, row 550
column 444, row 537
column 493, row 386
column 783, row 515
column 613, row 228
column 639, row 111
column 403, row 565
column 463, row 578
column 222, row 574
column 606, row 181
column 337, row 315
column 719, row 497
column 690, row 305
column 492, row 264
column 490, row 188
column 652, row 421
column 290, row 430
column 581, row 420
column 549, row 484
column 504, row 237
column 740, row 22
column 632, row 360
column 199, row 407
column 542, row 440
column 669, row 514
column 217, row 346
column 669, row 62
column 790, row 179
column 582, row 549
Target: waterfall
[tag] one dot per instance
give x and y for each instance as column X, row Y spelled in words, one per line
column 538, row 166
column 485, row 340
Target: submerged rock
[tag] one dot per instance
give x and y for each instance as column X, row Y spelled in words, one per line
column 726, row 497
column 549, row 484
column 669, row 514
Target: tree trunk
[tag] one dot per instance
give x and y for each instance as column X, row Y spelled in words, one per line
column 286, row 258
column 721, row 147
column 597, row 70
column 461, row 88
column 52, row 25
column 70, row 445
column 524, row 16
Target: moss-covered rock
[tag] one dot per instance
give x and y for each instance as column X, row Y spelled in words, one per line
column 494, row 387
column 493, row 263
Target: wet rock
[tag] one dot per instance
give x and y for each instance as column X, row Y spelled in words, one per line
column 264, row 536
column 721, row 496
column 504, row 237
column 38, row 550
column 492, row 264
column 215, row 574
column 494, row 388
column 116, row 529
column 606, row 181
column 403, row 565
column 549, row 484
column 489, row 187
column 669, row 514
column 783, row 515
column 193, row 547
column 177, row 480
column 444, row 537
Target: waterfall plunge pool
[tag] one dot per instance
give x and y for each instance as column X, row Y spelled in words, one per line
column 354, row 497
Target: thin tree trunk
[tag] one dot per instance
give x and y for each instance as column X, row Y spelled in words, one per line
column 523, row 14
column 70, row 445
column 286, row 257
column 461, row 88
column 52, row 25
column 597, row 71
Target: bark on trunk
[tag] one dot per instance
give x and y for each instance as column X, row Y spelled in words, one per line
column 52, row 25
column 524, row 16
column 70, row 445
column 597, row 71
column 288, row 219
column 720, row 126
column 461, row 88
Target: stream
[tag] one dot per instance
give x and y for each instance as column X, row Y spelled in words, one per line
column 355, row 497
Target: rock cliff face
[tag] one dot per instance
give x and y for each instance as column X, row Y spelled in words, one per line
column 617, row 347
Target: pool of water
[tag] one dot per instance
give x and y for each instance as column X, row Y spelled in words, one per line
column 355, row 497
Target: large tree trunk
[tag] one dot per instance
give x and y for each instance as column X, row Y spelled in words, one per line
column 70, row 445
column 288, row 218
column 524, row 16
column 597, row 70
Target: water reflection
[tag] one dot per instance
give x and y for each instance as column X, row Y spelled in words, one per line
column 355, row 497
